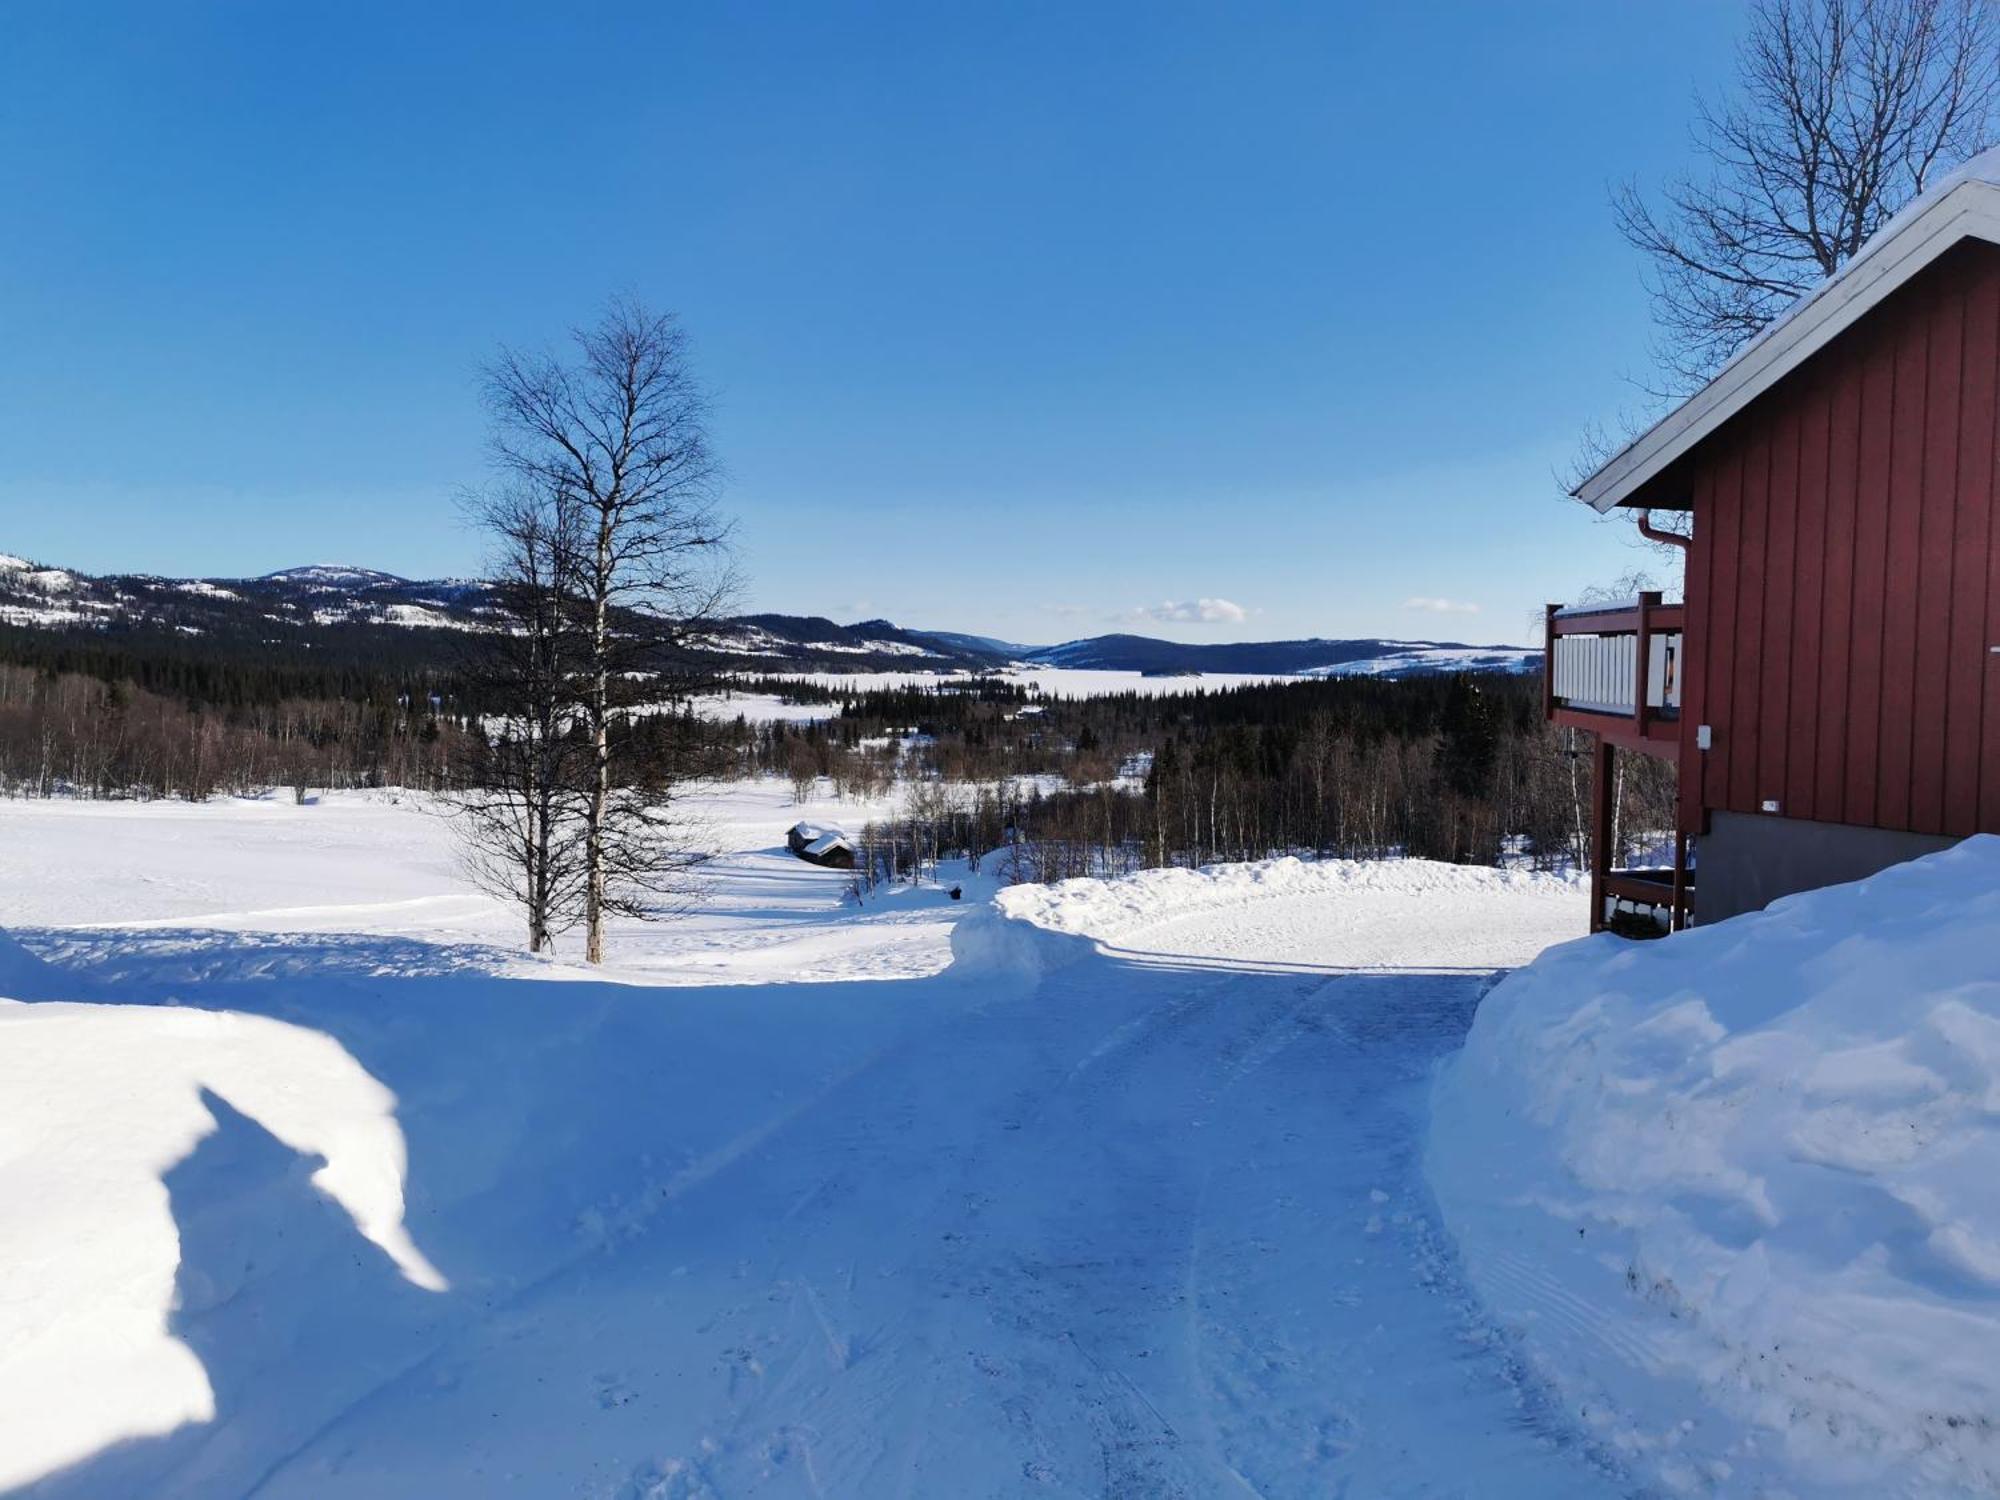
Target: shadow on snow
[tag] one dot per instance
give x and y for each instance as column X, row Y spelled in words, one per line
column 997, row 1228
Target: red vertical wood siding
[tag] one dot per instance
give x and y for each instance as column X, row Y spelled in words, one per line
column 1781, row 549
column 1936, row 534
column 1972, row 525
column 1801, row 771
column 1697, row 647
column 1844, row 586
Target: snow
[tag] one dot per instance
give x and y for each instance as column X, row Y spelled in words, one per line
column 1735, row 1189
column 419, row 616
column 48, row 583
column 1053, row 682
column 387, row 866
column 872, row 648
column 1415, row 656
column 332, row 576
column 763, row 708
column 755, row 640
column 54, row 614
column 1102, row 1189
column 89, row 1239
column 1088, row 682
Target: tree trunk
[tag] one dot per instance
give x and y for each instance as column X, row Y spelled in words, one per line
column 600, row 782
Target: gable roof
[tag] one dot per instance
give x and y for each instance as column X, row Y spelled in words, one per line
column 1964, row 205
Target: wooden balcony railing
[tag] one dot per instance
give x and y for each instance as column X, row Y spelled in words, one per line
column 1616, row 668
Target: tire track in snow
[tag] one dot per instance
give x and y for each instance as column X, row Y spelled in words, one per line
column 652, row 1200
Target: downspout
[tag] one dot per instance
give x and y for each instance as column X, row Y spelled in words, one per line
column 1653, row 533
column 1677, row 911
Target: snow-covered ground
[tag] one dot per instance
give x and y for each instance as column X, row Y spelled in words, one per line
column 1053, row 682
column 387, row 865
column 310, row 1187
column 1735, row 1191
column 1087, row 682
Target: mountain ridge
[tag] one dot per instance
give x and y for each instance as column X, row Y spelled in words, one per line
column 294, row 605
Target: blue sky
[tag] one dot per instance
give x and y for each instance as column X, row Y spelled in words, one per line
column 1036, row 320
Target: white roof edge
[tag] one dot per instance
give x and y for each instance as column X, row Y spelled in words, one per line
column 1966, row 208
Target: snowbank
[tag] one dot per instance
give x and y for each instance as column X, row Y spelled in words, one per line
column 1106, row 909
column 22, row 975
column 102, row 1103
column 1736, row 1190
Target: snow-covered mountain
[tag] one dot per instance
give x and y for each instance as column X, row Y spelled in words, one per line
column 304, row 606
column 1306, row 658
column 295, row 598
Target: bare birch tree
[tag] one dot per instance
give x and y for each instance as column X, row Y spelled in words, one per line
column 617, row 430
column 520, row 809
column 1843, row 111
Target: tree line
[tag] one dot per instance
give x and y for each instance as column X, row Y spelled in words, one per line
column 77, row 734
column 1460, row 767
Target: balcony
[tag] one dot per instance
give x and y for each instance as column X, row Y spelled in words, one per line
column 1616, row 670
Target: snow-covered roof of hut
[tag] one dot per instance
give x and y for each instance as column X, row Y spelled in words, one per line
column 811, row 831
column 832, row 839
column 1963, row 205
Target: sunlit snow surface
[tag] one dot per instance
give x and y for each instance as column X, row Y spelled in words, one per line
column 1736, row 1190
column 1109, row 1190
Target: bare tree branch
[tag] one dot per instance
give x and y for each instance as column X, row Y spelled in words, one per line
column 1844, row 110
column 615, row 438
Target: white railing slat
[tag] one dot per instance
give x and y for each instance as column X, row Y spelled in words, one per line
column 1600, row 672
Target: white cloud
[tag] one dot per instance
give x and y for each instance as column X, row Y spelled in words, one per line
column 1441, row 606
column 1194, row 612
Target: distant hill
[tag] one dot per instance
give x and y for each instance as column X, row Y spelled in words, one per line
column 1314, row 658
column 328, row 609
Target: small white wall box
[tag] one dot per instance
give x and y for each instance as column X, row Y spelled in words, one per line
column 1769, row 804
column 1704, row 737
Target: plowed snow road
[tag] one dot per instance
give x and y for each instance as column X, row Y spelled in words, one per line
column 1150, row 1224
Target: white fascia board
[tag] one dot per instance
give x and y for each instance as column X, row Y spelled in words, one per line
column 1971, row 210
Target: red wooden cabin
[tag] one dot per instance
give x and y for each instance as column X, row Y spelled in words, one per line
column 1830, row 690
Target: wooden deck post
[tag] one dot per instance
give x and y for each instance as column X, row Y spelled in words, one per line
column 1549, row 660
column 1642, row 662
column 1600, row 828
column 1677, row 916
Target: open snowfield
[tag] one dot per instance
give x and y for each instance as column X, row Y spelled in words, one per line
column 1091, row 682
column 309, row 1187
column 387, row 865
column 1053, row 682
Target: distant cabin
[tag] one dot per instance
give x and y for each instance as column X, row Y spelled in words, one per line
column 1830, row 688
column 821, row 846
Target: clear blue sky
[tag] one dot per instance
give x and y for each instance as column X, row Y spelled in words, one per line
column 1020, row 318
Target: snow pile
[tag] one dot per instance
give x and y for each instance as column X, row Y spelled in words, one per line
column 1747, row 1175
column 22, row 975
column 102, row 1103
column 1107, row 909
